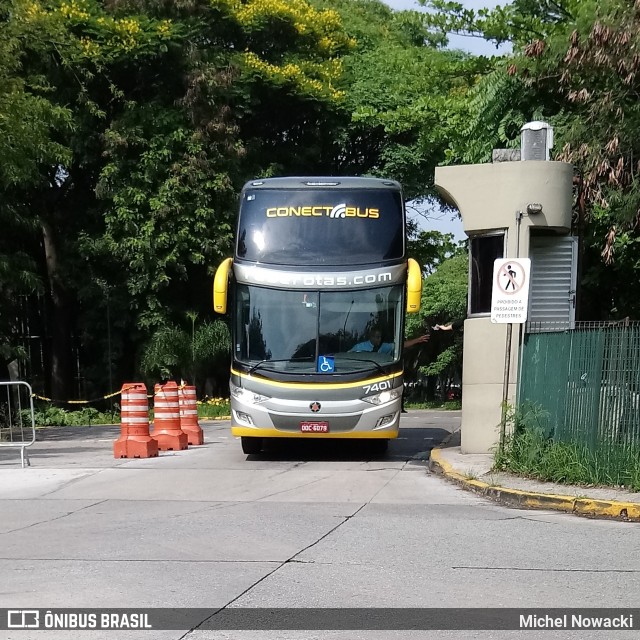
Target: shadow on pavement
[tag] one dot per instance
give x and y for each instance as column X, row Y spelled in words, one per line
column 453, row 441
column 56, row 442
column 89, row 432
column 412, row 445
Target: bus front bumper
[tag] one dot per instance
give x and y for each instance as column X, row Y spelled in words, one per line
column 262, row 432
column 336, row 420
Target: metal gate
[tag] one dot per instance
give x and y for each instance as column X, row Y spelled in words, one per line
column 17, row 423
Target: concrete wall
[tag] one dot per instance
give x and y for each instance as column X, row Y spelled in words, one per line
column 494, row 197
column 489, row 195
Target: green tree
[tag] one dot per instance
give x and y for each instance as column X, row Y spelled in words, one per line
column 444, row 299
column 152, row 115
column 175, row 353
column 403, row 95
column 29, row 124
column 430, row 248
column 574, row 65
column 135, row 123
column 62, row 52
column 519, row 22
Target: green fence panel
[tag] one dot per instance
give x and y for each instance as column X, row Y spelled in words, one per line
column 543, row 369
column 587, row 382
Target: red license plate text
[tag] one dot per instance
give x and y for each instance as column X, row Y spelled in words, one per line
column 314, row 427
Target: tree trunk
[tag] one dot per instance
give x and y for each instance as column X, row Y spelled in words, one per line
column 60, row 321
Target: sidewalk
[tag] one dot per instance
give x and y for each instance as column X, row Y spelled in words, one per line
column 474, row 473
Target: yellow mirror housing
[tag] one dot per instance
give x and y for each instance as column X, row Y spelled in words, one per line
column 414, row 286
column 220, row 282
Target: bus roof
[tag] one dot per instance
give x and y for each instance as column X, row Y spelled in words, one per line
column 324, row 182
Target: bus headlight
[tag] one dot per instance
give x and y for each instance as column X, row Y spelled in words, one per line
column 245, row 395
column 383, row 397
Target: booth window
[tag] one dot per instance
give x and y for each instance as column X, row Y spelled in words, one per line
column 484, row 250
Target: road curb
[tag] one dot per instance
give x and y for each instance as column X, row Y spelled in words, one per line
column 589, row 507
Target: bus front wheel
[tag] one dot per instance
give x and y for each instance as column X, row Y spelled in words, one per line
column 251, row 445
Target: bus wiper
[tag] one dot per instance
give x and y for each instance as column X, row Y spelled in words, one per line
column 364, row 360
column 259, row 364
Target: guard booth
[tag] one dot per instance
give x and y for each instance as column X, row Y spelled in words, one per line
column 518, row 206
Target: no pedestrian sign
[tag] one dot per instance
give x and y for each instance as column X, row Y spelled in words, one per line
column 510, row 291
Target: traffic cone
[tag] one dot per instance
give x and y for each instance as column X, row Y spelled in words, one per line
column 134, row 440
column 166, row 418
column 189, row 414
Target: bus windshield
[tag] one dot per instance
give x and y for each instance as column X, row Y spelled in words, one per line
column 320, row 227
column 289, row 331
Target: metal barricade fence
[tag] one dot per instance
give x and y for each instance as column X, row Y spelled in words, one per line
column 17, row 422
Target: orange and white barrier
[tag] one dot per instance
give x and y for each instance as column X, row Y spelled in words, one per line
column 166, row 418
column 189, row 414
column 134, row 440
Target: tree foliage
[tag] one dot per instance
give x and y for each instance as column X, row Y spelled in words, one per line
column 403, row 95
column 29, row 122
column 130, row 126
column 575, row 66
column 172, row 354
column 592, row 69
column 444, row 299
column 430, row 248
column 518, row 22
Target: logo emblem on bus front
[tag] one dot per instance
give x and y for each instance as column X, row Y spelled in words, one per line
column 315, row 407
column 339, row 211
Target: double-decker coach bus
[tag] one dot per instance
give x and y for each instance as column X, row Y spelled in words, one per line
column 317, row 290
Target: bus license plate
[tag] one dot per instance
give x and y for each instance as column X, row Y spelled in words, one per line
column 314, row 427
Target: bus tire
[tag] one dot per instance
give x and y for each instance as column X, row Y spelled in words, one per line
column 251, row 445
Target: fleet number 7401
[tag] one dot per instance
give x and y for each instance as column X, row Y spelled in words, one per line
column 377, row 387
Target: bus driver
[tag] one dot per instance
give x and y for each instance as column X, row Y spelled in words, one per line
column 374, row 343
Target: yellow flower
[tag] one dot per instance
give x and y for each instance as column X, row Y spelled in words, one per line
column 33, row 10
column 312, row 78
column 164, row 28
column 74, row 10
column 90, row 48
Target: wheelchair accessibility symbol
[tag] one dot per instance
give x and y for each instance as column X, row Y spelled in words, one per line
column 326, row 364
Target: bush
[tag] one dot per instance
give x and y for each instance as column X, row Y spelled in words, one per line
column 447, row 405
column 57, row 417
column 530, row 451
column 50, row 416
column 209, row 408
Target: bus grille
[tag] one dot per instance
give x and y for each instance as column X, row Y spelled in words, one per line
column 336, row 423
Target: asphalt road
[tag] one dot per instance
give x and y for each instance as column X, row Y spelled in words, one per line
column 300, row 526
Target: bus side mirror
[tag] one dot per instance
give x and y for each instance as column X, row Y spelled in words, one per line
column 220, row 282
column 414, row 286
